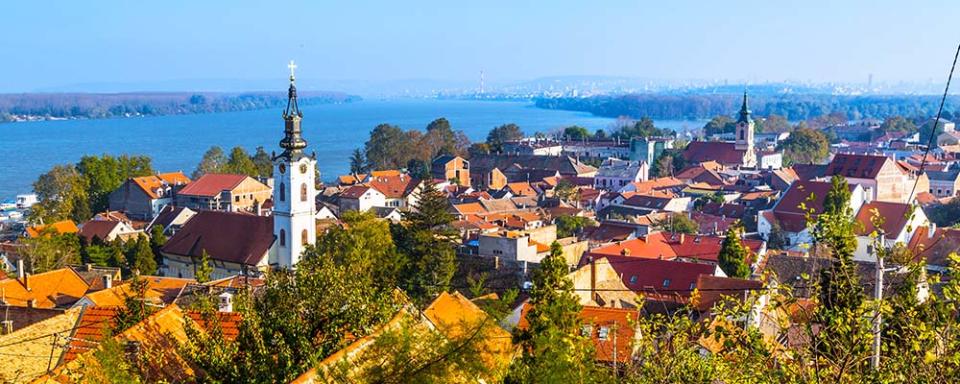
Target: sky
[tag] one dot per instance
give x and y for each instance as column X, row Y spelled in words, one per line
column 74, row 45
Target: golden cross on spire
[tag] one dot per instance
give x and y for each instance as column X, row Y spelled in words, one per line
column 292, row 67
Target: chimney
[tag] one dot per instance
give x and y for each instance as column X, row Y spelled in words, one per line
column 931, row 232
column 107, row 281
column 21, row 273
column 682, row 236
column 31, row 303
column 226, row 302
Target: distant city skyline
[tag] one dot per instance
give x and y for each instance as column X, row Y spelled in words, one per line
column 121, row 46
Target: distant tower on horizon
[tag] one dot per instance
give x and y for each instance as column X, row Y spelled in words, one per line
column 294, row 188
column 481, row 81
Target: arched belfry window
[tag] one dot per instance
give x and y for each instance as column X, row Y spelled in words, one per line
column 304, row 236
column 303, row 192
column 283, row 192
column 283, row 238
column 742, row 133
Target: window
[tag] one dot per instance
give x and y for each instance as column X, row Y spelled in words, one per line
column 283, row 237
column 303, row 192
column 304, row 237
column 236, row 198
column 742, row 133
column 666, row 282
column 587, row 330
column 633, row 279
column 283, row 192
column 604, row 332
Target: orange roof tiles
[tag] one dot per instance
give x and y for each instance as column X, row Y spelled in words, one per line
column 385, row 173
column 663, row 245
column 159, row 289
column 616, row 321
column 93, row 326
column 468, row 208
column 351, row 179
column 894, row 218
column 52, row 289
column 60, row 227
column 150, row 184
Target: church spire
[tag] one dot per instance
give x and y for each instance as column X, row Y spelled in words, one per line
column 744, row 111
column 292, row 143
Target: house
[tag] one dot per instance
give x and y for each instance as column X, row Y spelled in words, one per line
column 615, row 174
column 666, row 283
column 236, row 244
column 789, row 215
column 658, row 203
column 675, row 246
column 896, row 222
column 361, row 198
column 671, row 184
column 172, row 219
column 535, row 147
column 59, row 288
column 143, row 197
column 567, row 166
column 934, row 245
column 512, row 245
column 106, row 231
column 649, row 149
column 399, row 191
column 879, row 176
column 613, row 331
column 160, row 291
column 944, row 183
column 449, row 167
column 224, row 192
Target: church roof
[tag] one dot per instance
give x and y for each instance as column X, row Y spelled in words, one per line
column 226, row 236
column 720, row 151
column 744, row 111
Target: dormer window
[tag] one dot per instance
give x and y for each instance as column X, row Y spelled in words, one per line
column 587, row 330
column 633, row 279
column 666, row 283
column 604, row 333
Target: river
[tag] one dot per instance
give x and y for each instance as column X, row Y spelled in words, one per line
column 333, row 130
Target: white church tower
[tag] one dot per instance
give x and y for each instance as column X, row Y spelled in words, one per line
column 744, row 135
column 294, row 188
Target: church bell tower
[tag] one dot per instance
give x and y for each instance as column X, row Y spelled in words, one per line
column 294, row 188
column 745, row 125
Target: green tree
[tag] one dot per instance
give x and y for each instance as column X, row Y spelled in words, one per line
column 576, row 132
column 135, row 305
column 389, row 148
column 157, row 240
column 553, row 321
column 441, row 139
column 838, row 197
column 733, row 254
column 719, row 124
column 263, row 162
column 502, row 134
column 641, row 128
column 62, row 194
column 774, row 124
column 565, row 190
column 600, row 134
column 301, row 316
column 805, row 145
column 213, row 161
column 104, row 174
column 241, row 163
column 571, row 225
column 677, row 223
column 426, row 240
column 358, row 163
column 204, row 271
column 142, row 259
column 50, row 250
column 897, row 124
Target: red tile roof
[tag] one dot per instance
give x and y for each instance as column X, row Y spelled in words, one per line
column 93, row 326
column 935, row 245
column 57, row 288
column 395, row 186
column 97, row 229
column 714, row 288
column 615, row 320
column 226, row 236
column 661, row 279
column 893, row 215
column 858, row 166
column 668, row 246
column 719, row 151
column 354, row 192
column 212, row 184
column 788, row 211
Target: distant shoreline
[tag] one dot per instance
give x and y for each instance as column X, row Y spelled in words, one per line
column 34, row 107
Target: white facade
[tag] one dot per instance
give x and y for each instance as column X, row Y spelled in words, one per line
column 614, row 174
column 294, row 208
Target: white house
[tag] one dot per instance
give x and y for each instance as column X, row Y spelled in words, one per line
column 615, row 174
column 897, row 223
column 790, row 212
column 361, row 198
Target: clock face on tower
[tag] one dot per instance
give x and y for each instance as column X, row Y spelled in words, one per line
column 303, row 168
column 283, row 168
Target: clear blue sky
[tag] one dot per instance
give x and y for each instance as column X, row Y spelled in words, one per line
column 48, row 44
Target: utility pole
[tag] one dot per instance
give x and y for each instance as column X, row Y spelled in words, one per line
column 614, row 329
column 877, row 296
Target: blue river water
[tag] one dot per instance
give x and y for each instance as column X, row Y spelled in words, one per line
column 177, row 142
